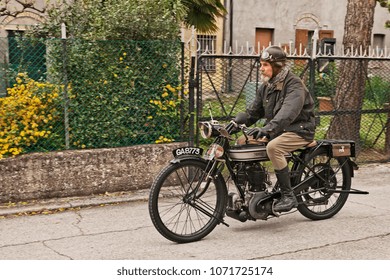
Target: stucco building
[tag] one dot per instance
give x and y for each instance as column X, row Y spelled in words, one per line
column 253, row 22
column 293, row 23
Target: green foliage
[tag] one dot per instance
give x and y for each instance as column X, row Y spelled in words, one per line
column 119, row 55
column 385, row 4
column 326, row 81
column 164, row 115
column 377, row 90
column 132, row 19
column 203, row 13
column 112, row 84
column 113, row 19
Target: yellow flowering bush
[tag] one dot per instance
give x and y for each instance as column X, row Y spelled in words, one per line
column 26, row 114
column 166, row 114
column 163, row 139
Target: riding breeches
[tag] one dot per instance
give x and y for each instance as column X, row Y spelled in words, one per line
column 278, row 147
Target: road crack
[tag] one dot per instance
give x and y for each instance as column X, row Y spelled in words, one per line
column 322, row 246
column 55, row 251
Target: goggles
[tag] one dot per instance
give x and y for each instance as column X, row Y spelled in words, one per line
column 266, row 56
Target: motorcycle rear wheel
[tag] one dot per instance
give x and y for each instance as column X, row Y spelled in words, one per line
column 319, row 202
column 180, row 213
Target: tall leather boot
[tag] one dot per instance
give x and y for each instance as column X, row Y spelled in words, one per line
column 288, row 199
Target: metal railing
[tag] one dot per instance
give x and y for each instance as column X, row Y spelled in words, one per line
column 232, row 87
column 74, row 94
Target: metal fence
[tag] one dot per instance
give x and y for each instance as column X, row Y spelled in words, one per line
column 73, row 94
column 234, row 79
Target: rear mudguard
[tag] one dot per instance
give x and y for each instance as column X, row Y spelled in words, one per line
column 331, row 149
column 329, row 146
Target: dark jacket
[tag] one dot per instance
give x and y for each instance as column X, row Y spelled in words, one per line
column 286, row 106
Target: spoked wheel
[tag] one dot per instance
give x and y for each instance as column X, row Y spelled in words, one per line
column 326, row 194
column 185, row 204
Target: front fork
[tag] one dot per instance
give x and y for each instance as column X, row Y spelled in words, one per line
column 194, row 197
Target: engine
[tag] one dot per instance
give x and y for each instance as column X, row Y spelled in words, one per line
column 254, row 178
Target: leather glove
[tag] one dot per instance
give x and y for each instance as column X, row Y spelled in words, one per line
column 235, row 130
column 258, row 132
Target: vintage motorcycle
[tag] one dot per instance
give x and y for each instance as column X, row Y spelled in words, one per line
column 191, row 195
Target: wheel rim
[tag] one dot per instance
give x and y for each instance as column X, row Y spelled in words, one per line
column 319, row 198
column 182, row 210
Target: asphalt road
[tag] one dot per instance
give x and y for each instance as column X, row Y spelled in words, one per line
column 361, row 231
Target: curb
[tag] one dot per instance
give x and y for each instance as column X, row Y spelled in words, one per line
column 47, row 206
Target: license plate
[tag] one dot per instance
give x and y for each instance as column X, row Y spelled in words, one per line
column 187, row 151
column 341, row 150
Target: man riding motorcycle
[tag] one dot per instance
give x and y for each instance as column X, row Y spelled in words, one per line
column 288, row 108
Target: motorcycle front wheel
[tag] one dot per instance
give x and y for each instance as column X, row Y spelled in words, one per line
column 185, row 203
column 325, row 197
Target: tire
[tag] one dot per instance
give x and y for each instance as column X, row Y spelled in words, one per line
column 316, row 204
column 171, row 196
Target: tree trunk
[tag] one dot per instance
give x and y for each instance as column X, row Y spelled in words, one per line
column 352, row 72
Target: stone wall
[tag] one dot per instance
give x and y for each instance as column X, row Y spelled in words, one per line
column 81, row 172
column 19, row 14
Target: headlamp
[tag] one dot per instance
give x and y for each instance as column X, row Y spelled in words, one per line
column 205, row 129
column 208, row 129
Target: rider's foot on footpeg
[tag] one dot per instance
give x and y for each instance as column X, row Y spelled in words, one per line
column 285, row 204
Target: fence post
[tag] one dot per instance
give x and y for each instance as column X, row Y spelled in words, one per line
column 182, row 46
column 387, row 130
column 191, row 92
column 65, row 82
column 312, row 62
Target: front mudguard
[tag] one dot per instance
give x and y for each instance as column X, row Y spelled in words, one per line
column 182, row 158
column 187, row 157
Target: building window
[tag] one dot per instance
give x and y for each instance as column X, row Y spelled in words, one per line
column 207, row 45
column 379, row 41
column 264, row 38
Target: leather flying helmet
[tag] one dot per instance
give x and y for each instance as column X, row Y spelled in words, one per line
column 274, row 54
